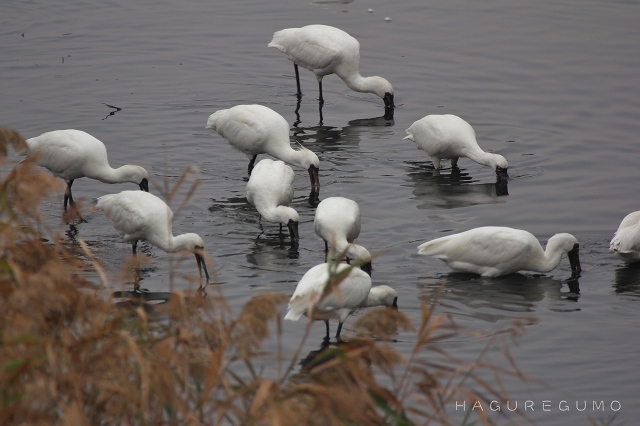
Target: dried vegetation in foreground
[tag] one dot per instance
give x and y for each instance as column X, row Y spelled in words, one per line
column 71, row 356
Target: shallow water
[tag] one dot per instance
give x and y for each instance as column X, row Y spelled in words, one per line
column 552, row 86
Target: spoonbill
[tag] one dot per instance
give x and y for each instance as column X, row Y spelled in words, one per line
column 270, row 191
column 73, row 154
column 337, row 222
column 350, row 289
column 449, row 136
column 626, row 240
column 256, row 129
column 326, row 50
column 492, row 251
column 142, row 216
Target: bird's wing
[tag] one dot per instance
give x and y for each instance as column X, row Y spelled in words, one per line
column 239, row 126
column 304, row 49
column 63, row 151
column 482, row 247
column 132, row 213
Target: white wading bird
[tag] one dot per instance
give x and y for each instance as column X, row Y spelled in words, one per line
column 256, row 129
column 328, row 50
column 73, row 154
column 351, row 293
column 270, row 191
column 449, row 136
column 142, row 216
column 626, row 240
column 492, row 251
column 337, row 222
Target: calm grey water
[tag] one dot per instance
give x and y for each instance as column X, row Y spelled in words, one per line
column 551, row 85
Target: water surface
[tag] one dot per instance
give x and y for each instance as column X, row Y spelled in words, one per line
column 550, row 85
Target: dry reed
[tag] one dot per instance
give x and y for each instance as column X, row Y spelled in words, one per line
column 70, row 356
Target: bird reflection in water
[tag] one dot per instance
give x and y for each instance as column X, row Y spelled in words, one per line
column 452, row 190
column 502, row 298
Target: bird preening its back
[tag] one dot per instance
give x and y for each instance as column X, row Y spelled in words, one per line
column 335, row 290
column 73, row 154
column 256, row 129
column 449, row 136
column 139, row 215
column 492, row 251
column 326, row 50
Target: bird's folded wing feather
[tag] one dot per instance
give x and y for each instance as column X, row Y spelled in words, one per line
column 480, row 249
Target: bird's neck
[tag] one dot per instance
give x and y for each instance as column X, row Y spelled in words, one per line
column 359, row 83
column 173, row 244
column 107, row 174
column 551, row 259
column 482, row 157
column 278, row 214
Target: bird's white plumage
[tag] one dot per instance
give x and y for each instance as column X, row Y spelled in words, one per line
column 337, row 221
column 326, row 50
column 353, row 292
column 138, row 215
column 256, row 129
column 450, row 137
column 626, row 240
column 492, row 251
column 270, row 191
column 73, row 154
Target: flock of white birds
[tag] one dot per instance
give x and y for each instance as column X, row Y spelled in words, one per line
column 256, row 129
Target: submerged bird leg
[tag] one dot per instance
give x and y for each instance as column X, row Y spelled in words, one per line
column 251, row 163
column 295, row 66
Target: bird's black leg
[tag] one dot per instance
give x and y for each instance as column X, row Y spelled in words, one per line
column 295, row 66
column 133, row 246
column 339, row 330
column 320, row 89
column 251, row 163
column 326, row 322
column 326, row 252
column 67, row 195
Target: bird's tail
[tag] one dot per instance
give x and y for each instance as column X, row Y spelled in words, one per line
column 409, row 135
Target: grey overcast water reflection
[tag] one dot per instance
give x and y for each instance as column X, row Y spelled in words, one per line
column 551, row 85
